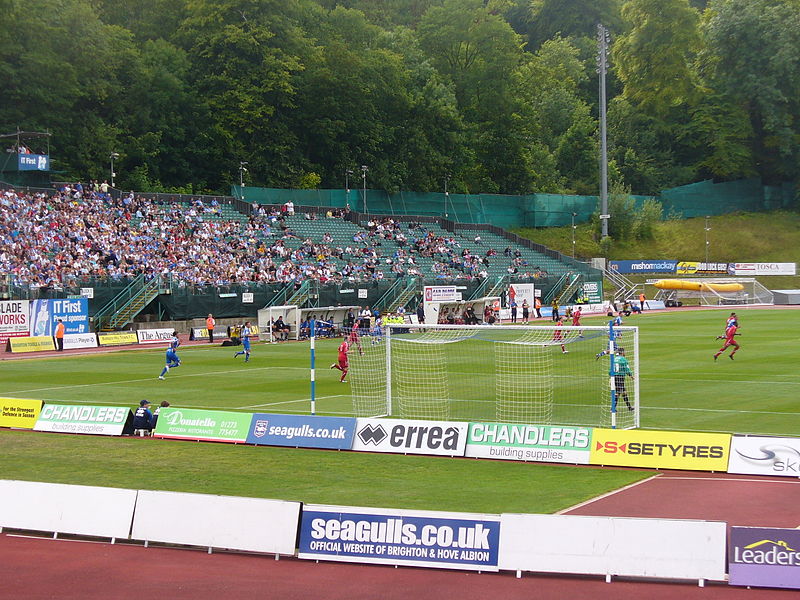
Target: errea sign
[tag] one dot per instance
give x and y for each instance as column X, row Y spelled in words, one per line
column 411, row 437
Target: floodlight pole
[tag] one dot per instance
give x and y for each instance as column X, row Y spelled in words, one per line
column 602, row 68
column 112, row 157
column 242, row 171
column 446, row 194
column 573, row 234
column 364, row 169
column 707, row 228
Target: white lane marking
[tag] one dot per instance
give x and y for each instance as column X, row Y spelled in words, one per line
column 596, row 498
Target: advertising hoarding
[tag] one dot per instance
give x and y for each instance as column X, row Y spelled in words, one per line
column 538, row 443
column 19, row 413
column 31, row 344
column 400, row 537
column 334, row 433
column 14, row 319
column 411, row 437
column 74, row 312
column 660, row 449
column 764, row 557
column 86, row 419
column 757, row 455
column 210, row 425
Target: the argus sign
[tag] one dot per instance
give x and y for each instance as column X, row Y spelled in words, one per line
column 764, row 557
column 411, row 437
column 334, row 433
column 398, row 537
column 529, row 442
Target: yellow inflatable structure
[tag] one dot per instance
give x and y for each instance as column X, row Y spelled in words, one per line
column 697, row 286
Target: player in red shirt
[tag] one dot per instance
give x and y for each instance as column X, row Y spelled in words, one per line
column 354, row 338
column 558, row 334
column 576, row 319
column 730, row 332
column 342, row 365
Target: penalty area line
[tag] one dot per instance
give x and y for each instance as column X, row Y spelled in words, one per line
column 606, row 495
column 290, row 401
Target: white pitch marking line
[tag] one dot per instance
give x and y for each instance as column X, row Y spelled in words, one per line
column 595, row 499
column 289, row 401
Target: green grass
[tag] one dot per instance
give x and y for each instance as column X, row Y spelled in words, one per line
column 681, row 388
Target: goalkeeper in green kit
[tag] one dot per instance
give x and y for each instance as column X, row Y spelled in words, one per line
column 622, row 370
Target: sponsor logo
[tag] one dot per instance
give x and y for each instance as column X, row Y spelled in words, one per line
column 176, row 418
column 777, row 457
column 260, row 428
column 656, row 449
column 94, row 414
column 767, row 552
column 372, row 435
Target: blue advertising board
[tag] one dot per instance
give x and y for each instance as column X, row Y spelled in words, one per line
column 643, row 266
column 45, row 315
column 400, row 537
column 33, row 162
column 298, row 431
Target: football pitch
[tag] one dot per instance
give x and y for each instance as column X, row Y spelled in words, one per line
column 682, row 388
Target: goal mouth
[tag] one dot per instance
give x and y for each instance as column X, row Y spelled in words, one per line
column 538, row 375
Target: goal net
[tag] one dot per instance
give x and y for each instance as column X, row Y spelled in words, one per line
column 510, row 374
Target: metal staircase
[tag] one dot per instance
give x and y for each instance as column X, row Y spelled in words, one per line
column 565, row 287
column 401, row 291
column 624, row 287
column 125, row 306
column 489, row 288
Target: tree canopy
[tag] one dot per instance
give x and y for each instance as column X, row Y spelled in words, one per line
column 496, row 96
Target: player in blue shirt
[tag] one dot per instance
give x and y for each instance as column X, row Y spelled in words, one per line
column 172, row 355
column 245, row 333
column 143, row 418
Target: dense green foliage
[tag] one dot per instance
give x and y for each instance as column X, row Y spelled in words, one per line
column 497, row 95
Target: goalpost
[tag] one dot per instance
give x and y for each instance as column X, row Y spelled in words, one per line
column 542, row 375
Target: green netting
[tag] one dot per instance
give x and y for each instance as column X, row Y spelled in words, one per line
column 533, row 210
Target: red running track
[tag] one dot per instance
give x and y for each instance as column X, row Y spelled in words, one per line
column 46, row 568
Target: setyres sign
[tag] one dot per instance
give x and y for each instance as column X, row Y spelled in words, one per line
column 643, row 266
column 208, row 425
column 400, row 537
column 660, row 449
column 14, row 319
column 764, row 557
column 93, row 420
column 411, row 437
column 19, row 412
column 765, row 456
column 334, row 433
column 540, row 443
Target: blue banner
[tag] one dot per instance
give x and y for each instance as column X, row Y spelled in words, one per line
column 334, row 433
column 33, row 162
column 643, row 266
column 46, row 313
column 400, row 537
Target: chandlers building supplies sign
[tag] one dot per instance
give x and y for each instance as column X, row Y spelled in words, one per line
column 411, row 437
column 93, row 420
column 529, row 442
column 764, row 557
column 400, row 537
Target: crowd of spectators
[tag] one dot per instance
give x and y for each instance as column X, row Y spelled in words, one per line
column 80, row 232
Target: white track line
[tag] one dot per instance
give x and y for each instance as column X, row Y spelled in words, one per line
column 596, row 498
column 788, row 480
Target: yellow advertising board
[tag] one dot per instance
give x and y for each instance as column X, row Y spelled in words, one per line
column 687, row 268
column 660, row 449
column 39, row 343
column 19, row 412
column 118, row 338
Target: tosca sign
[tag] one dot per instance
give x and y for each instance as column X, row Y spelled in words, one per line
column 334, row 433
column 660, row 449
column 19, row 413
column 93, row 420
column 208, row 425
column 507, row 441
column 764, row 557
column 400, row 537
